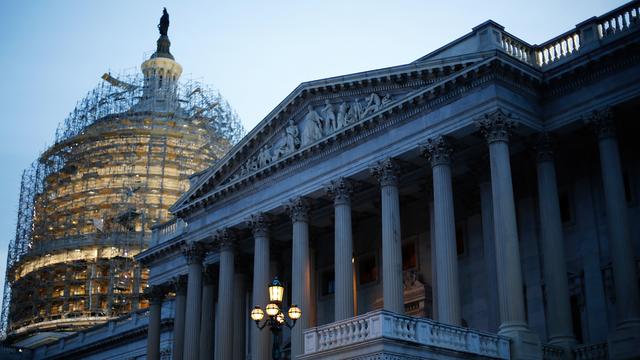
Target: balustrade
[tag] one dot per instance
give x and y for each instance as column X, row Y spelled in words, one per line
column 384, row 324
column 591, row 352
column 620, row 20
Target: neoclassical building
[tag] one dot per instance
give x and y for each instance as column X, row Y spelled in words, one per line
column 479, row 202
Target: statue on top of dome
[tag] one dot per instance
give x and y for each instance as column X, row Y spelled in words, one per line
column 164, row 22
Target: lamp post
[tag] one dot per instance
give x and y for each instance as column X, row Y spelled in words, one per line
column 275, row 318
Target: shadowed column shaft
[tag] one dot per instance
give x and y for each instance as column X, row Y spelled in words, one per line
column 178, row 324
column 300, row 276
column 445, row 236
column 153, row 335
column 206, row 323
column 239, row 316
column 623, row 261
column 225, row 325
column 260, row 339
column 392, row 286
column 559, row 322
column 193, row 310
column 343, row 266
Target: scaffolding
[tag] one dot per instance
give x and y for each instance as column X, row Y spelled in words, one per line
column 120, row 159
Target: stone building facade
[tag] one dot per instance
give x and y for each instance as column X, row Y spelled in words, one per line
column 479, row 202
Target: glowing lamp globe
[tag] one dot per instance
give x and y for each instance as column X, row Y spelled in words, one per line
column 272, row 309
column 276, row 291
column 257, row 314
column 294, row 312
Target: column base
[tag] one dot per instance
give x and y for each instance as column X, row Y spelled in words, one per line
column 623, row 343
column 525, row 344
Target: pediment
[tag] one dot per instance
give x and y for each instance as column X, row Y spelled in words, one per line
column 320, row 110
column 307, row 119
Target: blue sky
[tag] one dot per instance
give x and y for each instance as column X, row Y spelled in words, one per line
column 255, row 52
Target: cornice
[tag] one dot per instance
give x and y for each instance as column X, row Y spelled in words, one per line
column 160, row 251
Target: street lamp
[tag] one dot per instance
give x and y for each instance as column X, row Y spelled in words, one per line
column 275, row 317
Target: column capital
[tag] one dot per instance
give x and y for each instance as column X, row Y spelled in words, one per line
column 298, row 209
column 601, row 122
column 194, row 252
column 340, row 190
column 179, row 285
column 155, row 294
column 496, row 126
column 386, row 171
column 259, row 224
column 544, row 147
column 225, row 238
column 437, row 150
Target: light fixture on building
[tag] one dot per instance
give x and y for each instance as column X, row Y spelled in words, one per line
column 275, row 317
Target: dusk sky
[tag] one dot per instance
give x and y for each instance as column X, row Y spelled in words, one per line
column 255, row 52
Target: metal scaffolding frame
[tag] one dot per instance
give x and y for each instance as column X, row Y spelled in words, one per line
column 87, row 204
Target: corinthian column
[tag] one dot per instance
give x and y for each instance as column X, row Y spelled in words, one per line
column 259, row 224
column 240, row 316
column 497, row 127
column 225, row 326
column 392, row 288
column 193, row 253
column 156, row 296
column 300, row 274
column 438, row 151
column 340, row 191
column 180, row 288
column 208, row 315
column 625, row 276
column 559, row 322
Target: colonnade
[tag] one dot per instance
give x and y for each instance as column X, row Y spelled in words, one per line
column 496, row 128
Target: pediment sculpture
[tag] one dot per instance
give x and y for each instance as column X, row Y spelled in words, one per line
column 317, row 124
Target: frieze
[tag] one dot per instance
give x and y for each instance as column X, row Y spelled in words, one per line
column 319, row 122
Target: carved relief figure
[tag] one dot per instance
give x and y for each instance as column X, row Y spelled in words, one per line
column 355, row 110
column 313, row 128
column 292, row 137
column 386, row 100
column 373, row 104
column 264, row 156
column 329, row 118
column 341, row 120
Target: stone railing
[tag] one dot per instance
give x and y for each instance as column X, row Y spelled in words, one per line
column 167, row 230
column 551, row 352
column 591, row 352
column 381, row 324
column 590, row 32
column 619, row 20
column 555, row 49
column 516, row 48
column 95, row 334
